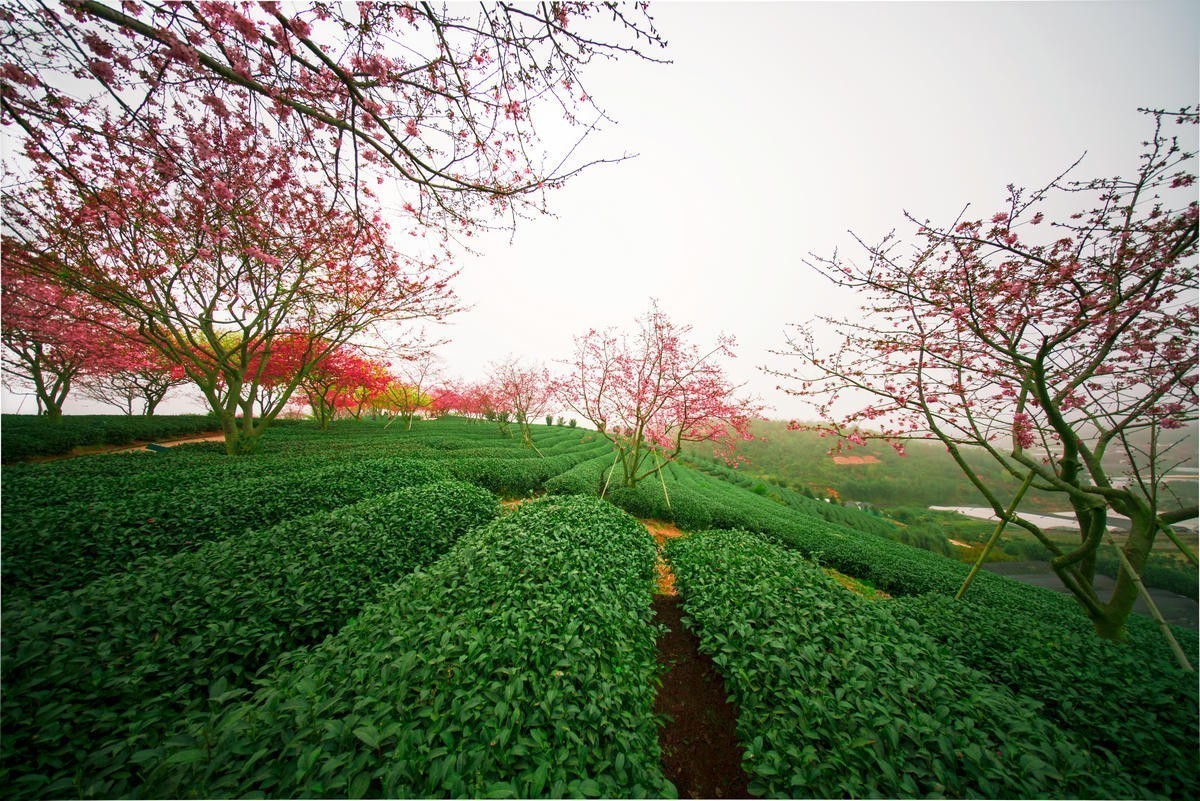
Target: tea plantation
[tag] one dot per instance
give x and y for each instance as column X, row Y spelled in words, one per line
column 351, row 613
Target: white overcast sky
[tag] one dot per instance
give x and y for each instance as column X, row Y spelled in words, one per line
column 779, row 126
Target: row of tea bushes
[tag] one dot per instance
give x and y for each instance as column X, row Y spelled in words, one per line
column 693, row 500
column 27, row 435
column 589, row 477
column 662, row 499
column 514, row 477
column 521, row 664
column 902, row 569
column 94, row 679
column 1032, row 639
column 1129, row 699
column 830, row 512
column 32, row 485
column 839, row 700
column 61, row 548
column 181, row 470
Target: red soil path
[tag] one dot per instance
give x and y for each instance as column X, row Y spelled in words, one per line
column 700, row 752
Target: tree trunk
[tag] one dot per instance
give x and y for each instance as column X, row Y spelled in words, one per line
column 230, row 430
column 1143, row 526
column 243, row 439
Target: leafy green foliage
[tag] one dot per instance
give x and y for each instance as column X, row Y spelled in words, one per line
column 843, row 515
column 521, row 664
column 837, row 699
column 92, row 678
column 1126, row 698
column 513, row 477
column 60, row 548
column 32, row 486
column 677, row 503
column 586, row 478
column 144, row 670
column 28, row 435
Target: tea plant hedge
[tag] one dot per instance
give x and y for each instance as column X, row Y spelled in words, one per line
column 521, row 664
column 1129, row 699
column 830, row 512
column 180, row 470
column 93, row 679
column 28, row 435
column 513, row 477
column 839, row 700
column 585, row 478
column 52, row 549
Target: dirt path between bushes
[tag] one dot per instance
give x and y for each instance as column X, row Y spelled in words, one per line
column 137, row 445
column 169, row 443
column 700, row 752
column 662, row 532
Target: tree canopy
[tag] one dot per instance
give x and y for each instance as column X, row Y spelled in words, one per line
column 1047, row 342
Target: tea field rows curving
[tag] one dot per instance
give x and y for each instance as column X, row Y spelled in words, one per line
column 348, row 613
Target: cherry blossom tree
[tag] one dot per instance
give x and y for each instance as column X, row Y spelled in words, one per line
column 523, row 390
column 137, row 375
column 444, row 99
column 52, row 337
column 1051, row 346
column 651, row 391
column 217, row 253
column 493, row 405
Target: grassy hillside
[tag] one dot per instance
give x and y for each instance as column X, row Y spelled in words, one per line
column 876, row 474
column 873, row 473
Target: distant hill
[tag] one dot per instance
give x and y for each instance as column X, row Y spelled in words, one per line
column 876, row 474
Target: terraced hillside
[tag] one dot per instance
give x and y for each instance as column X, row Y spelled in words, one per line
column 351, row 613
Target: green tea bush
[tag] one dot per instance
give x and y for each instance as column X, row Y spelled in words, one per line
column 842, row 515
column 837, row 699
column 512, row 477
column 34, row 485
column 680, row 505
column 521, row 664
column 686, row 508
column 61, row 548
column 585, row 478
column 1127, row 698
column 1160, row 571
column 92, row 679
column 28, row 435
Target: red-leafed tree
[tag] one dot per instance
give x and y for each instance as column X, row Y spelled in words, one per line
column 137, row 376
column 523, row 390
column 368, row 384
column 651, row 391
column 336, row 381
column 218, row 248
column 52, row 337
column 1058, row 348
column 444, row 99
column 453, row 397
